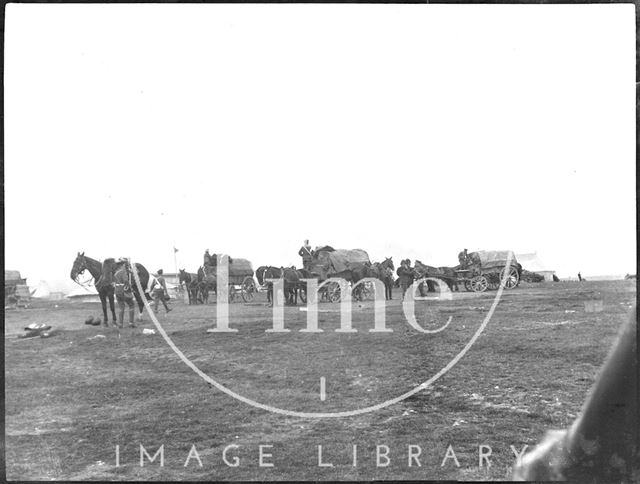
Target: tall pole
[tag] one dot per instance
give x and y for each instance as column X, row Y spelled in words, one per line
column 175, row 262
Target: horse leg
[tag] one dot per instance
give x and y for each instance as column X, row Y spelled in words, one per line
column 120, row 321
column 103, row 300
column 132, row 308
column 113, row 307
column 140, row 305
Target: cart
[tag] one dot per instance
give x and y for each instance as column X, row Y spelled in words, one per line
column 241, row 282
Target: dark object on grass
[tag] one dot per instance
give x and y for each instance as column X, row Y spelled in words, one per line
column 555, row 278
column 96, row 322
column 35, row 329
column 529, row 276
column 89, row 320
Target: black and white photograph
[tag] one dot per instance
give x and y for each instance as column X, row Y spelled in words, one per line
column 320, row 242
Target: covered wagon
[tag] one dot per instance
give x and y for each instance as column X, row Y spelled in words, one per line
column 488, row 268
column 241, row 282
column 328, row 262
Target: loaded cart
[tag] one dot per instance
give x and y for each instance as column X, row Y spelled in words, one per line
column 329, row 262
column 241, row 282
column 488, row 268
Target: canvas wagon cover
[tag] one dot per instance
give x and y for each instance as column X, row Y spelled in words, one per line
column 330, row 262
column 237, row 268
column 495, row 258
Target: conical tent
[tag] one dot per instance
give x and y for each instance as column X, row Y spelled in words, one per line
column 42, row 290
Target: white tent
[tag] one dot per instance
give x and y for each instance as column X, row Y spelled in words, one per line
column 532, row 263
column 42, row 290
column 84, row 294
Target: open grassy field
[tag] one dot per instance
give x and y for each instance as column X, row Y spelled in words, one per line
column 72, row 398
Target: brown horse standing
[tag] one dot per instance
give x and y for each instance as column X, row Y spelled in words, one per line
column 105, row 291
column 291, row 279
column 207, row 281
column 192, row 286
column 384, row 271
column 104, row 286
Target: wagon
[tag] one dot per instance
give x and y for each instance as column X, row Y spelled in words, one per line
column 487, row 270
column 241, row 282
column 328, row 262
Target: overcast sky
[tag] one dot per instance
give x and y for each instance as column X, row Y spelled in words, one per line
column 405, row 130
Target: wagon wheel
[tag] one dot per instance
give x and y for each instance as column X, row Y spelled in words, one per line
column 512, row 277
column 467, row 285
column 303, row 292
column 479, row 283
column 232, row 293
column 333, row 292
column 325, row 294
column 248, row 289
column 367, row 292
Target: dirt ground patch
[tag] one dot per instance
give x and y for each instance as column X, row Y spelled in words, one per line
column 72, row 398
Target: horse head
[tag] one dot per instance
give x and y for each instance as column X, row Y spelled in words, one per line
column 388, row 262
column 79, row 266
column 183, row 276
column 260, row 274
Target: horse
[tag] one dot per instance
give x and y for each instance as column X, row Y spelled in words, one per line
column 206, row 282
column 384, row 271
column 105, row 291
column 105, row 286
column 291, row 278
column 446, row 274
column 190, row 281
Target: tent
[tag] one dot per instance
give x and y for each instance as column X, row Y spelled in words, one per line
column 83, row 294
column 41, row 291
column 533, row 263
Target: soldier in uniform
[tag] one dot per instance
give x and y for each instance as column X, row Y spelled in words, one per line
column 463, row 259
column 207, row 258
column 159, row 292
column 307, row 255
column 405, row 274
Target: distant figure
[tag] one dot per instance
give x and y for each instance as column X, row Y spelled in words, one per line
column 159, row 292
column 579, row 277
column 405, row 275
column 463, row 259
column 307, row 255
column 207, row 258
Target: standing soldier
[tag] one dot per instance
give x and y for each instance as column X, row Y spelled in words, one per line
column 159, row 292
column 405, row 275
column 207, row 258
column 307, row 255
column 124, row 295
column 463, row 259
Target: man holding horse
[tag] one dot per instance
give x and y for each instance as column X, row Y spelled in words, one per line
column 123, row 287
column 405, row 273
